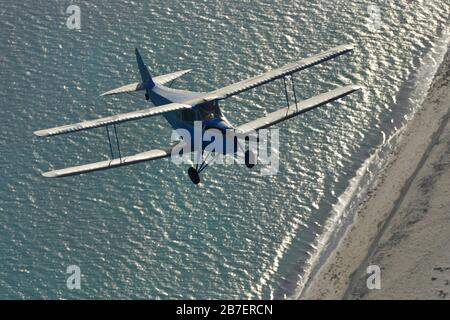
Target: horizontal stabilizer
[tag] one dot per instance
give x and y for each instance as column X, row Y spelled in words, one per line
column 109, row 164
column 137, row 86
column 165, row 78
column 132, row 87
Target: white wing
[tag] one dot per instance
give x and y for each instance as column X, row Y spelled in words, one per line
column 109, row 164
column 149, row 112
column 271, row 75
column 221, row 93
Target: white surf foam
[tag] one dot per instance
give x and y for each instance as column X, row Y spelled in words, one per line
column 344, row 211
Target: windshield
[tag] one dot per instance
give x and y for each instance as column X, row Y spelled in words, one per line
column 210, row 111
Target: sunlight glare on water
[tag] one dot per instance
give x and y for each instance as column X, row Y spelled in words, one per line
column 145, row 231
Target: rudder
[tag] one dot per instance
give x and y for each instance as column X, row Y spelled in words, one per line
column 143, row 70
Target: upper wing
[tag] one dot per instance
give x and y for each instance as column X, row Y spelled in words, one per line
column 136, row 86
column 271, row 75
column 112, row 119
column 108, row 164
column 221, row 93
column 302, row 107
column 250, row 83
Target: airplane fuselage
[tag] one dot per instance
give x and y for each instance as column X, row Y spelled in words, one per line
column 208, row 113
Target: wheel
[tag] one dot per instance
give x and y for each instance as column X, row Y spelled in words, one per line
column 250, row 159
column 193, row 175
column 147, row 96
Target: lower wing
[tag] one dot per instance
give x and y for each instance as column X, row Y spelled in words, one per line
column 293, row 110
column 109, row 164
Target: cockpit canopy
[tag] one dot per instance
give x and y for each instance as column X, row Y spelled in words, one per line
column 204, row 112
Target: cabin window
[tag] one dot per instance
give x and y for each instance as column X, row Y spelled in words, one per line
column 210, row 111
column 189, row 115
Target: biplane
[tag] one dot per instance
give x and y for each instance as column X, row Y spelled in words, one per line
column 182, row 108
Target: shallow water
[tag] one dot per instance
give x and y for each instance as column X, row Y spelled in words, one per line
column 145, row 231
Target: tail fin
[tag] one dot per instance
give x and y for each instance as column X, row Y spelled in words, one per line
column 143, row 70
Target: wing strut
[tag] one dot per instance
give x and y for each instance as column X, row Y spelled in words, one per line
column 117, row 142
column 109, row 140
column 285, row 92
column 293, row 90
column 287, row 95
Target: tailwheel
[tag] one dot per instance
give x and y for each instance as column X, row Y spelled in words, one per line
column 250, row 159
column 147, row 96
column 193, row 175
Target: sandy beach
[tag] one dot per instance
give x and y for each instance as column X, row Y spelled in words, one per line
column 404, row 225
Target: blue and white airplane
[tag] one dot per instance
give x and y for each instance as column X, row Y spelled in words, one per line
column 181, row 108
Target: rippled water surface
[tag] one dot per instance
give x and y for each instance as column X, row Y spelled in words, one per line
column 144, row 231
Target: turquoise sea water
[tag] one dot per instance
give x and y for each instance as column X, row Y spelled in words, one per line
column 145, row 231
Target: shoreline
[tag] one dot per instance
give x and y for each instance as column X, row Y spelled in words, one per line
column 384, row 231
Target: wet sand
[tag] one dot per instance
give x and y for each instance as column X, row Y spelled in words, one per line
column 404, row 224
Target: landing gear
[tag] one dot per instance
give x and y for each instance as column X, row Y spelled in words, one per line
column 250, row 159
column 194, row 172
column 147, row 96
column 193, row 175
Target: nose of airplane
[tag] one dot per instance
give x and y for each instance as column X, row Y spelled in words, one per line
column 218, row 124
